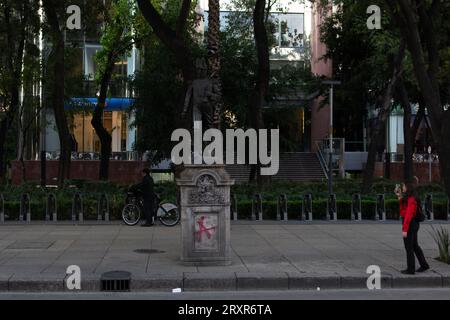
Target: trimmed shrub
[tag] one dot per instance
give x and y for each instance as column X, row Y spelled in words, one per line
column 440, row 209
column 168, row 191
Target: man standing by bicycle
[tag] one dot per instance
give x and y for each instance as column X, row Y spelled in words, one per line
column 148, row 196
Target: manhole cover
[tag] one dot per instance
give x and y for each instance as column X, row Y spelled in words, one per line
column 148, row 251
column 115, row 281
column 36, row 245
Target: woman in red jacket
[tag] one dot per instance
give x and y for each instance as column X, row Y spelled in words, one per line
column 408, row 209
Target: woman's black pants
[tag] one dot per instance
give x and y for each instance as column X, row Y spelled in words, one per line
column 412, row 247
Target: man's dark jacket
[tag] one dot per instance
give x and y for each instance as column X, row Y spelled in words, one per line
column 146, row 187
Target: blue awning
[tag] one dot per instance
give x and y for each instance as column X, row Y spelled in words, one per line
column 112, row 104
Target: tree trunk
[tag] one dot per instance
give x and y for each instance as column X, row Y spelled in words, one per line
column 13, row 66
column 6, row 125
column 7, row 122
column 57, row 96
column 97, row 120
column 259, row 96
column 409, row 139
column 3, row 132
column 444, row 152
column 105, row 140
column 377, row 134
column 418, row 25
column 418, row 120
column 65, row 139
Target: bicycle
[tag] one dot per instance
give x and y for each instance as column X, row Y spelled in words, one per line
column 166, row 212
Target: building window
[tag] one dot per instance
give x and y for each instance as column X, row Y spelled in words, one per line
column 107, row 121
column 90, row 67
column 289, row 29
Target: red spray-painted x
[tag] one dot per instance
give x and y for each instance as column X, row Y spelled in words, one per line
column 203, row 229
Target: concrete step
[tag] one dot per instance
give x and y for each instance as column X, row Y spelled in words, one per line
column 294, row 167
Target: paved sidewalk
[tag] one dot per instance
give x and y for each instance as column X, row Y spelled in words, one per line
column 265, row 256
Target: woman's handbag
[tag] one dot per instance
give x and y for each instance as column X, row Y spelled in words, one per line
column 420, row 216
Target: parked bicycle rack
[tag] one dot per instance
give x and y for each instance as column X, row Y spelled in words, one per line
column 331, row 208
column 2, row 208
column 428, row 207
column 77, row 207
column 51, row 208
column 282, row 208
column 234, row 209
column 356, row 207
column 25, row 208
column 307, row 213
column 257, row 207
column 103, row 207
column 380, row 208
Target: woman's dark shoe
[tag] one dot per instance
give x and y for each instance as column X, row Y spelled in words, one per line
column 407, row 272
column 422, row 269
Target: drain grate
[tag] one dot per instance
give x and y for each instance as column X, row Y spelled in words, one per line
column 148, row 251
column 115, row 281
column 30, row 245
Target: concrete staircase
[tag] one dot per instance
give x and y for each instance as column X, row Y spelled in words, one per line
column 294, row 167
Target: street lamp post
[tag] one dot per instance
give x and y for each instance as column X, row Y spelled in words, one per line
column 331, row 83
column 429, row 163
column 43, row 145
column 43, row 111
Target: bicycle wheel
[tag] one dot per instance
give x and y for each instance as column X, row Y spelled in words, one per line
column 131, row 214
column 170, row 217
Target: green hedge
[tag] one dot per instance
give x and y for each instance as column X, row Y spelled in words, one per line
column 90, row 191
column 168, row 190
column 343, row 189
column 64, row 207
column 64, row 203
column 319, row 208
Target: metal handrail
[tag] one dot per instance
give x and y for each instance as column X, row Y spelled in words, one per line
column 325, row 153
column 322, row 161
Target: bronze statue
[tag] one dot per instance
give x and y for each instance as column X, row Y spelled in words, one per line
column 204, row 97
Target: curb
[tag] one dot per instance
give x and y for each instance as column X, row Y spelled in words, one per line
column 191, row 281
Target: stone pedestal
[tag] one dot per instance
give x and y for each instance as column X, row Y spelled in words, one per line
column 204, row 199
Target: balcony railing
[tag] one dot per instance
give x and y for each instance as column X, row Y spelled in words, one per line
column 123, row 156
column 417, row 157
column 119, row 88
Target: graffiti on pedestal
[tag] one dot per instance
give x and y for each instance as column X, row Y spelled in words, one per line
column 205, row 233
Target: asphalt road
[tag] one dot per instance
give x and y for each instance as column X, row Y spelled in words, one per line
column 388, row 294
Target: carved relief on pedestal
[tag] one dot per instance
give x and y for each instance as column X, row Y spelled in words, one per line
column 206, row 192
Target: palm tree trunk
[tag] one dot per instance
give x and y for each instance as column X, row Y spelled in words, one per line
column 214, row 63
column 258, row 98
